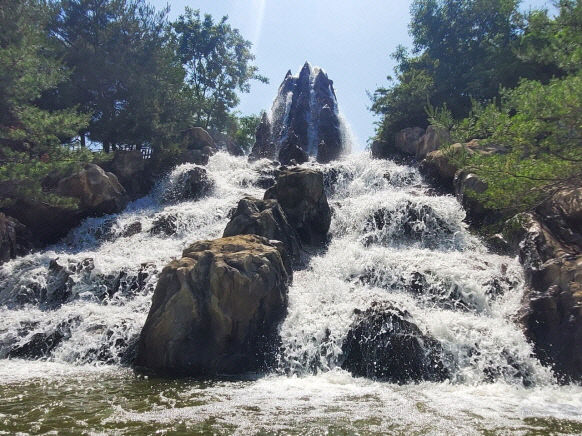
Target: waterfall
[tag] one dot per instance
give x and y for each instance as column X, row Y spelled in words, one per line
column 81, row 304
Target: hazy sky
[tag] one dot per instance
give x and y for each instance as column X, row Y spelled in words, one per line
column 350, row 39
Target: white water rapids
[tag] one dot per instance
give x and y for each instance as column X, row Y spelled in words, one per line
column 389, row 233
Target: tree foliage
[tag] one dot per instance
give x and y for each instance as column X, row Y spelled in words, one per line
column 218, row 64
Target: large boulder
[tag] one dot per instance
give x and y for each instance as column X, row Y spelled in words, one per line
column 552, row 306
column 406, row 141
column 383, row 343
column 264, row 148
column 197, row 139
column 432, row 140
column 330, row 141
column 216, row 310
column 264, row 218
column 301, row 194
column 97, row 192
column 15, row 238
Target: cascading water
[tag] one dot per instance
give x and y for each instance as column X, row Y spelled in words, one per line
column 71, row 313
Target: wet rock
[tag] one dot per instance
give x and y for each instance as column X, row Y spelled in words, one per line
column 301, row 194
column 562, row 214
column 383, row 343
column 132, row 229
column 198, row 157
column 264, row 148
column 329, row 136
column 165, row 225
column 291, row 153
column 130, row 284
column 306, row 106
column 380, row 149
column 216, row 310
column 41, row 344
column 15, row 239
column 264, row 218
column 409, row 222
column 468, row 187
column 551, row 310
column 191, row 185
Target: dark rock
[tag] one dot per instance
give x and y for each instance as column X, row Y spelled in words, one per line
column 131, row 284
column 468, row 186
column 329, row 136
column 433, row 139
column 165, row 225
column 264, row 218
column 198, row 157
column 384, row 344
column 306, row 106
column 380, row 149
column 264, row 148
column 292, row 153
column 551, row 311
column 301, row 194
column 216, row 310
column 132, row 229
column 15, row 238
column 406, row 141
column 191, row 185
column 40, row 345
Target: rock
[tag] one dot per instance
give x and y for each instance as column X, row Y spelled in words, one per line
column 432, row 140
column 39, row 345
column 467, row 187
column 384, row 344
column 198, row 157
column 191, row 185
column 216, row 310
column 438, row 167
column 306, row 105
column 562, row 214
column 264, row 148
column 130, row 169
column 264, row 218
column 132, row 229
column 380, row 149
column 15, row 239
column 551, row 312
column 165, row 225
column 329, row 136
column 198, row 139
column 291, row 153
column 98, row 192
column 234, row 148
column 406, row 141
column 301, row 194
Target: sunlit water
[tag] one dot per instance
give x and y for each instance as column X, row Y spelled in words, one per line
column 388, row 232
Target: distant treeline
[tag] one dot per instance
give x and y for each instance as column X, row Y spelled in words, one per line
column 486, row 69
column 116, row 73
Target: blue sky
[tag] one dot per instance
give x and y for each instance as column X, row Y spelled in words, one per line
column 350, row 39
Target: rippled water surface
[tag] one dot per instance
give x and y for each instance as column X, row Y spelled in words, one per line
column 393, row 241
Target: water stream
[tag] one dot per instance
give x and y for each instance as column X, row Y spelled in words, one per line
column 69, row 316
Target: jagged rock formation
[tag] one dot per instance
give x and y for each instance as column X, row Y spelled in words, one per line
column 301, row 194
column 305, row 106
column 216, row 309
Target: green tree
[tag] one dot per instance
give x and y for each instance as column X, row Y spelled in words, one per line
column 462, row 50
column 30, row 134
column 218, row 62
column 124, row 71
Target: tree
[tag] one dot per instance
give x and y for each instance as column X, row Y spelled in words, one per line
column 462, row 50
column 218, row 63
column 30, row 134
column 125, row 73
